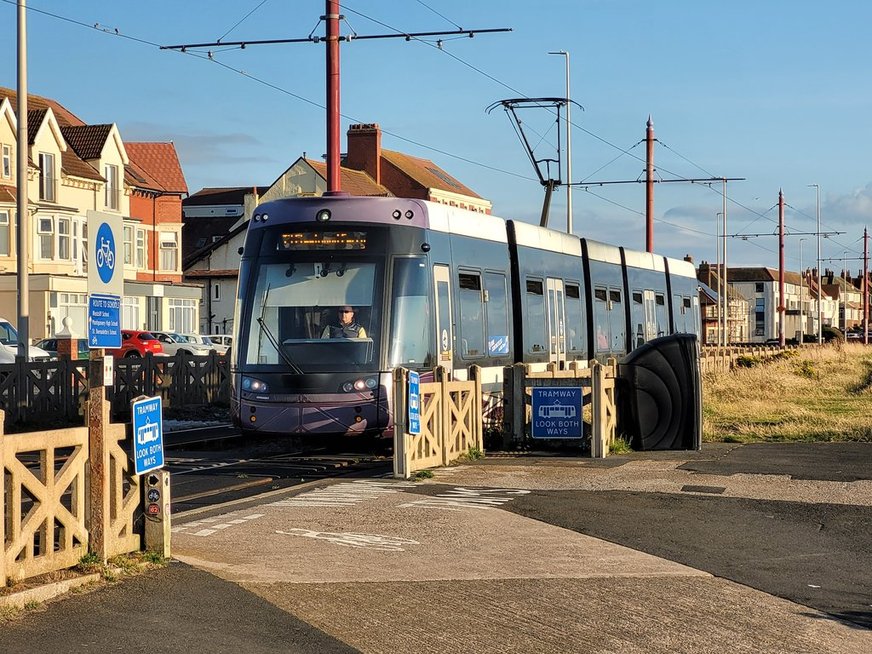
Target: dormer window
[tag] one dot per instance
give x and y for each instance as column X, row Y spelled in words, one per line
column 110, row 172
column 6, row 166
column 47, row 180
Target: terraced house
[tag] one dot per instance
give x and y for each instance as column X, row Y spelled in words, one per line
column 74, row 167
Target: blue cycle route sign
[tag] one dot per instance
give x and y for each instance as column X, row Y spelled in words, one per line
column 556, row 412
column 104, row 256
column 148, row 434
column 414, row 402
column 104, row 321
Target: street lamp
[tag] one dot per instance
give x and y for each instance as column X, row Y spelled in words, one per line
column 820, row 319
column 565, row 54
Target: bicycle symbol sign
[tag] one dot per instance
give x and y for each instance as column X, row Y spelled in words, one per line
column 105, row 253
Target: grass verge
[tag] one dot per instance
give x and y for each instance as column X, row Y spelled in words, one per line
column 817, row 394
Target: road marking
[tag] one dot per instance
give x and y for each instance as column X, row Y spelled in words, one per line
column 358, row 541
column 345, row 494
column 467, row 498
column 210, row 528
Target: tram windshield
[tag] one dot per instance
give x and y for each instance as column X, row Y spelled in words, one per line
column 315, row 316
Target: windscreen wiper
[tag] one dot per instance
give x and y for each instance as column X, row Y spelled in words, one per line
column 293, row 366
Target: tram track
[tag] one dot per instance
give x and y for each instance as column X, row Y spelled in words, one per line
column 216, row 466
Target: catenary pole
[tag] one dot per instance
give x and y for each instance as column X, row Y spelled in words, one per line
column 865, row 286
column 649, row 186
column 331, row 17
column 820, row 292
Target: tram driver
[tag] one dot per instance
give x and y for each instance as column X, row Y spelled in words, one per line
column 346, row 325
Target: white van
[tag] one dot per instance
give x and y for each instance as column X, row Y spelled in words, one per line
column 9, row 345
column 222, row 342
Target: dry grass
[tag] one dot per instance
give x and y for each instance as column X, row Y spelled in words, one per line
column 819, row 394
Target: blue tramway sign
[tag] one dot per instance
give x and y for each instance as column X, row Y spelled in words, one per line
column 556, row 412
column 414, row 402
column 148, row 434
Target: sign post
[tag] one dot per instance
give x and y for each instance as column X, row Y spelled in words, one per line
column 556, row 412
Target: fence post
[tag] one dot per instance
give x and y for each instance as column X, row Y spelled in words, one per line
column 445, row 410
column 97, row 512
column 402, row 455
column 598, row 447
column 515, row 401
column 478, row 408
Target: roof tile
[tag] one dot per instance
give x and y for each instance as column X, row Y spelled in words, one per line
column 161, row 163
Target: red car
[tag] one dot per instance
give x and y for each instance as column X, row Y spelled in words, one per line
column 136, row 344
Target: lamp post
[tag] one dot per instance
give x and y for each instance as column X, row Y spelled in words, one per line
column 565, row 54
column 820, row 319
column 801, row 313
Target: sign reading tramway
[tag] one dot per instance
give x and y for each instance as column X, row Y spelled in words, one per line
column 148, row 451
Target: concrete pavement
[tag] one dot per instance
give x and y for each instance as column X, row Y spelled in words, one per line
column 500, row 555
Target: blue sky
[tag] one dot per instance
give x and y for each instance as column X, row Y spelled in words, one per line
column 773, row 92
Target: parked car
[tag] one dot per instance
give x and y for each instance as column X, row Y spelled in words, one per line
column 136, row 343
column 197, row 339
column 222, row 342
column 50, row 345
column 9, row 345
column 174, row 343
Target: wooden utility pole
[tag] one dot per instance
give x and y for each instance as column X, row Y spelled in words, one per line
column 782, row 304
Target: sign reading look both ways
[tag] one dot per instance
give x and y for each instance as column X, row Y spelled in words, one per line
column 557, row 412
column 148, row 434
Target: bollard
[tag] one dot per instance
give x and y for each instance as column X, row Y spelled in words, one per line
column 158, row 524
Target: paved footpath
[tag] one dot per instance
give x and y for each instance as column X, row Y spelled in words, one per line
column 478, row 559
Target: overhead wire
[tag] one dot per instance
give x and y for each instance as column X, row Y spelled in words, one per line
column 241, row 20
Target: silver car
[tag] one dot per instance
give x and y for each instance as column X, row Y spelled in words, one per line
column 174, row 343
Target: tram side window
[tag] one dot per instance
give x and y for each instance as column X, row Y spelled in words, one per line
column 575, row 328
column 497, row 314
column 471, row 315
column 637, row 318
column 661, row 315
column 616, row 317
column 534, row 318
column 410, row 314
column 601, row 319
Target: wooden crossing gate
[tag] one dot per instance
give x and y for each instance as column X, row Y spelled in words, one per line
column 451, row 421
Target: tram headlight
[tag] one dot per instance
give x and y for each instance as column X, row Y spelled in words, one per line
column 360, row 385
column 252, row 385
column 323, row 215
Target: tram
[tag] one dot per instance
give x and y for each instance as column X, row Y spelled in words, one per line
column 428, row 285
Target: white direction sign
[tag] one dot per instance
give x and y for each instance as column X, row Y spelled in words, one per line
column 105, row 253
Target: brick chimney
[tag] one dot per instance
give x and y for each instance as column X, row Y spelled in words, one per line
column 364, row 149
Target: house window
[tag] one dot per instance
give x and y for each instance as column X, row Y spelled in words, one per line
column 169, row 251
column 128, row 245
column 73, row 306
column 64, row 239
column 83, row 247
column 4, row 234
column 110, row 172
column 45, row 230
column 183, row 315
column 130, row 313
column 140, row 249
column 46, row 177
column 6, row 169
column 758, row 287
column 217, row 293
